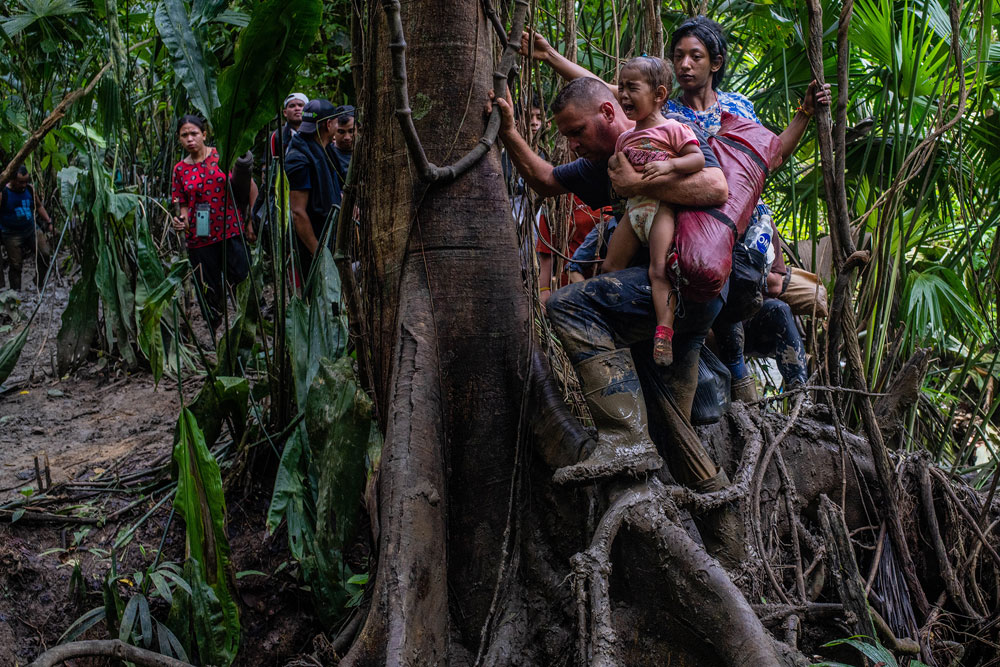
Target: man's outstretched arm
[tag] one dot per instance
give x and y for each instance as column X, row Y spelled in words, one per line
column 535, row 171
column 698, row 190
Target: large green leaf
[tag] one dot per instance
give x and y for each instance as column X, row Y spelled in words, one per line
column 938, row 306
column 11, row 352
column 338, row 419
column 291, row 500
column 149, row 305
column 202, row 504
column 40, row 10
column 203, row 11
column 193, row 66
column 117, row 315
column 294, row 501
column 268, row 54
column 197, row 620
column 220, row 398
column 313, row 331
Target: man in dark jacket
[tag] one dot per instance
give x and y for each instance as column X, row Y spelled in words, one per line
column 314, row 191
column 342, row 146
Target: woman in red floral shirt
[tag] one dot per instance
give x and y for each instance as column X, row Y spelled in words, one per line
column 209, row 217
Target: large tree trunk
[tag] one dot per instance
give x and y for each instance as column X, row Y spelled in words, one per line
column 449, row 349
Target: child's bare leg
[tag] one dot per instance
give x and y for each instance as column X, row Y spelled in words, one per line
column 661, row 239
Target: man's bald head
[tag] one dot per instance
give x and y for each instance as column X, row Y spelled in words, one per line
column 588, row 115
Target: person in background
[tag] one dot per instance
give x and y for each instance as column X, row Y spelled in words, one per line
column 21, row 211
column 292, row 110
column 583, row 221
column 208, row 218
column 314, row 190
column 532, row 217
column 342, row 146
column 586, row 259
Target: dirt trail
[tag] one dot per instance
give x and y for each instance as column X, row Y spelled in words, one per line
column 92, row 423
column 98, row 422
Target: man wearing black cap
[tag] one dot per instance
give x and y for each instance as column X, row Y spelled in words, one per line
column 342, row 148
column 294, row 104
column 314, row 189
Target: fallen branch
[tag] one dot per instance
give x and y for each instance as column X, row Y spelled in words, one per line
column 107, row 648
column 45, row 517
column 53, row 119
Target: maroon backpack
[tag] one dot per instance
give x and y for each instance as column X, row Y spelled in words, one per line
column 704, row 238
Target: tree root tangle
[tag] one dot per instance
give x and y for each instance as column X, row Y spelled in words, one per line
column 112, row 648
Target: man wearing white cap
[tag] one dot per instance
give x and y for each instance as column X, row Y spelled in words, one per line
column 294, row 104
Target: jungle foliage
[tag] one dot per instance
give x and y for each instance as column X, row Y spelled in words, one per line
column 923, row 171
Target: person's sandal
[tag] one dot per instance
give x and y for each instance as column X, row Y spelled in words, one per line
column 663, row 351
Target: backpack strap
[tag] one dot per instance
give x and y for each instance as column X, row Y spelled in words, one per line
column 745, row 149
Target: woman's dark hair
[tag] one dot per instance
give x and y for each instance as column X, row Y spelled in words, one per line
column 709, row 33
column 191, row 119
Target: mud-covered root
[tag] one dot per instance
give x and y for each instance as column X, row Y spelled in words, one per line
column 702, row 592
column 591, row 571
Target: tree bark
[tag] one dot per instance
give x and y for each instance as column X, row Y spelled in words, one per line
column 450, row 337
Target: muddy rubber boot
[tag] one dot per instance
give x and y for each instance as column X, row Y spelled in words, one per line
column 744, row 389
column 722, row 528
column 615, row 399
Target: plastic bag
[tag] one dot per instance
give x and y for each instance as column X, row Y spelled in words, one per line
column 711, row 400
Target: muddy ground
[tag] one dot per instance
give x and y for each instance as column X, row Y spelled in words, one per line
column 98, row 424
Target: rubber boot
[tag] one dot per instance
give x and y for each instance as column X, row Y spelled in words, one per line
column 722, row 527
column 615, row 399
column 744, row 389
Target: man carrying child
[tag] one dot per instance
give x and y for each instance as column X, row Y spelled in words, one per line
column 599, row 319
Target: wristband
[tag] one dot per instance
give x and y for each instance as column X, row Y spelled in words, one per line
column 803, row 110
column 544, row 289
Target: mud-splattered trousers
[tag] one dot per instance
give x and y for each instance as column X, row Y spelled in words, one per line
column 615, row 310
column 772, row 332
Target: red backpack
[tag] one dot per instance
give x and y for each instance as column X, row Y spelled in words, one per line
column 748, row 152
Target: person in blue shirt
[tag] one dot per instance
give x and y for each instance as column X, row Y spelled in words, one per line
column 22, row 220
column 699, row 52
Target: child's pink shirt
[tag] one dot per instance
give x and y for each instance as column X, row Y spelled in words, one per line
column 656, row 143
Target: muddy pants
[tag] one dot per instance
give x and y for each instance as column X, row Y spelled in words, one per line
column 615, row 310
column 772, row 332
column 215, row 265
column 19, row 248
